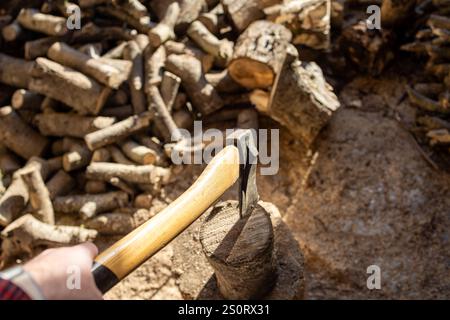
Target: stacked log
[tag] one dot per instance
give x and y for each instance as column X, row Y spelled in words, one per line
column 94, row 110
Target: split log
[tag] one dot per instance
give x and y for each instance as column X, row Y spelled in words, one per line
column 100, row 71
column 26, row 234
column 145, row 174
column 14, row 200
column 201, row 93
column 189, row 11
column 39, row 195
column 60, row 184
column 90, row 204
column 133, row 53
column 68, row 86
column 118, row 131
column 69, row 124
column 164, row 30
column 309, row 21
column 34, row 20
column 15, row 72
column 221, row 50
column 173, row 47
column 26, row 100
column 243, row 13
column 138, row 153
column 259, row 54
column 301, row 99
column 112, row 224
column 240, row 250
column 18, row 136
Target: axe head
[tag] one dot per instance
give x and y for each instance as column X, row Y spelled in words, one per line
column 245, row 141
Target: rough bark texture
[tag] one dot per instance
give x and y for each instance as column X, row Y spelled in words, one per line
column 88, row 205
column 301, row 99
column 39, row 195
column 69, row 124
column 146, row 174
column 68, row 86
column 243, row 13
column 15, row 72
column 118, row 131
column 98, row 69
column 60, row 184
column 27, row 234
column 202, row 94
column 18, row 136
column 189, row 11
column 240, row 250
column 259, row 54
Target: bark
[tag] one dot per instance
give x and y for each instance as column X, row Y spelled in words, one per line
column 118, row 131
column 112, row 224
column 60, row 184
column 243, row 13
column 26, row 100
column 15, row 72
column 73, row 88
column 165, row 29
column 189, row 11
column 70, row 125
column 173, row 47
column 240, row 250
column 201, row 93
column 259, row 54
column 39, row 195
column 221, row 50
column 146, row 174
column 301, row 99
column 90, row 204
column 104, row 73
column 50, row 25
column 136, row 79
column 27, row 234
column 18, row 136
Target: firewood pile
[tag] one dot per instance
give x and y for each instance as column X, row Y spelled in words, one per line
column 90, row 114
column 432, row 95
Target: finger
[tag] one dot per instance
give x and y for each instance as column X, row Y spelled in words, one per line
column 89, row 248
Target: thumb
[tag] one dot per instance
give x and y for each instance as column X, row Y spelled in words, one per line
column 88, row 248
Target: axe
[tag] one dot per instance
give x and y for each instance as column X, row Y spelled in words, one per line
column 234, row 161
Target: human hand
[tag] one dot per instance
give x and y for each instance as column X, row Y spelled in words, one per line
column 52, row 271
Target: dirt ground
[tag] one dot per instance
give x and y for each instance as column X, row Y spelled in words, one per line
column 364, row 195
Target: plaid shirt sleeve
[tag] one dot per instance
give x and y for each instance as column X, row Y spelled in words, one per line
column 9, row 291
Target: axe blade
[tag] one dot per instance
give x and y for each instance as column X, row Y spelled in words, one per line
column 244, row 140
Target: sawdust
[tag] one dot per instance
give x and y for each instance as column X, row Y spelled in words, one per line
column 365, row 195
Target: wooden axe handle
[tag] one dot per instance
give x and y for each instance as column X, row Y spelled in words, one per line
column 116, row 262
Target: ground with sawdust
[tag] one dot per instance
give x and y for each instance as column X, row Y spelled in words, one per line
column 365, row 195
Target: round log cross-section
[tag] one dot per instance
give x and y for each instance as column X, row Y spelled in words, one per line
column 240, row 250
column 259, row 54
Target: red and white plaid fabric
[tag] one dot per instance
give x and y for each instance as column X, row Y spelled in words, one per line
column 9, row 291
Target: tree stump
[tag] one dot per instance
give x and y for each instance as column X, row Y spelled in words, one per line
column 240, row 250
